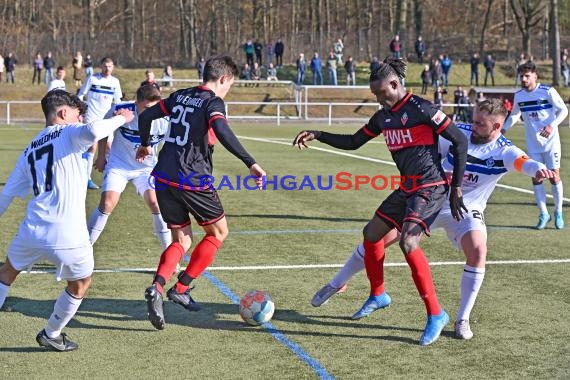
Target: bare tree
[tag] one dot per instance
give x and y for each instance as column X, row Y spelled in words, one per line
column 484, row 29
column 555, row 36
column 527, row 14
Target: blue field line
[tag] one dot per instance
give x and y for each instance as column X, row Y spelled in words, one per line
column 277, row 335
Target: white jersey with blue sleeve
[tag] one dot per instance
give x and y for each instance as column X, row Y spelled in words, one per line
column 101, row 93
column 540, row 107
column 486, row 164
column 127, row 140
column 52, row 167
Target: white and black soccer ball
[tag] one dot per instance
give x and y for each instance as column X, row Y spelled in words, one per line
column 256, row 307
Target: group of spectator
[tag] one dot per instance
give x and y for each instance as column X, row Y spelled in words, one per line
column 333, row 61
column 255, row 49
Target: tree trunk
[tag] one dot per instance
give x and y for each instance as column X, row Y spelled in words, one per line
column 484, row 29
column 555, row 36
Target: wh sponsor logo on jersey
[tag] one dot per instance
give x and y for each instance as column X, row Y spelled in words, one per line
column 398, row 137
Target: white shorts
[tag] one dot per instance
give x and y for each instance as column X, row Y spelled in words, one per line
column 70, row 264
column 551, row 159
column 116, row 179
column 473, row 221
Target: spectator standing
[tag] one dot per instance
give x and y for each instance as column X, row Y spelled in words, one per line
column 301, row 68
column 350, row 68
column 38, row 67
column 457, row 94
column 436, row 73
column 316, row 68
column 200, row 67
column 475, row 69
column 88, row 64
column 77, row 63
column 269, row 52
column 10, row 63
column 426, row 79
column 466, row 108
column 249, row 50
column 258, row 47
column 489, row 64
column 395, row 47
column 438, row 99
column 445, row 69
column 49, row 66
column 167, row 76
column 520, row 60
column 338, row 46
column 508, row 106
column 331, row 69
column 420, row 49
column 374, row 65
column 564, row 68
column 279, row 49
column 1, row 67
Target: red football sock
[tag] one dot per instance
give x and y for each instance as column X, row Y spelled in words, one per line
column 202, row 256
column 168, row 260
column 421, row 274
column 374, row 263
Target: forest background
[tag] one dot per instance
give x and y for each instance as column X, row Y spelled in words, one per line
column 140, row 33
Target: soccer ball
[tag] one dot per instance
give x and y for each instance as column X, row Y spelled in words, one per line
column 256, row 307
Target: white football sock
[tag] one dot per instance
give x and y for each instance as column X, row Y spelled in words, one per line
column 89, row 157
column 557, row 194
column 3, row 293
column 96, row 224
column 161, row 230
column 64, row 309
column 352, row 266
column 540, row 196
column 471, row 282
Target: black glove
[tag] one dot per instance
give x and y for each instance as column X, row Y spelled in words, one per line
column 456, row 203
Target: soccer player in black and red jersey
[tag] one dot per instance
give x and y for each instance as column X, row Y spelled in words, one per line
column 197, row 118
column 411, row 126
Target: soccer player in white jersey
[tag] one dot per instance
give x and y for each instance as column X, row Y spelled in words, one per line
column 490, row 156
column 59, row 81
column 54, row 227
column 102, row 90
column 122, row 167
column 542, row 110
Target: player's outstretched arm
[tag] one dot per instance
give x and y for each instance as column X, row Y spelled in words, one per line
column 5, row 201
column 99, row 129
column 346, row 142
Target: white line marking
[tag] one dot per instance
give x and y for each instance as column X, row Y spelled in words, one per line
column 317, row 266
column 272, row 141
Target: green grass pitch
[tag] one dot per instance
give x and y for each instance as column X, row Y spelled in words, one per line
column 520, row 320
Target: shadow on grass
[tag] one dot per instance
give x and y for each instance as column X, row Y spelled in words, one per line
column 119, row 314
column 297, row 217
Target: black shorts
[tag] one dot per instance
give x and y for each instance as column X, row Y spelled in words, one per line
column 176, row 205
column 421, row 207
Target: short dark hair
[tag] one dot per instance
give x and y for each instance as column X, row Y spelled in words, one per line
column 57, row 98
column 107, row 60
column 389, row 67
column 527, row 66
column 493, row 106
column 218, row 66
column 148, row 92
column 60, row 68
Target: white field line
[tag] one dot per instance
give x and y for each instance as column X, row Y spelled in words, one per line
column 274, row 141
column 319, row 266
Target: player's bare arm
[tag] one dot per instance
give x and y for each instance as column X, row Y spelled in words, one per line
column 101, row 160
column 256, row 171
column 346, row 142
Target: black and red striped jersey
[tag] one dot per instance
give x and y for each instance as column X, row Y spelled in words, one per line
column 186, row 157
column 411, row 129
